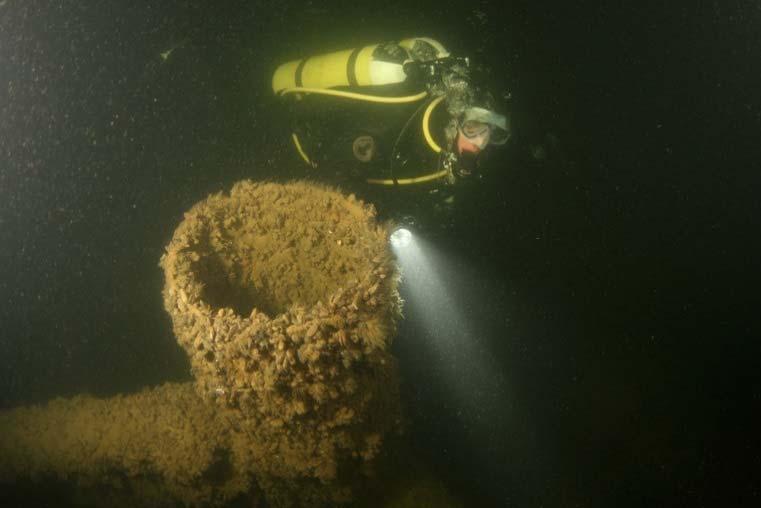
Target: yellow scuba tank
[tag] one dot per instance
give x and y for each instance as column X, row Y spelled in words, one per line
column 373, row 65
column 344, row 74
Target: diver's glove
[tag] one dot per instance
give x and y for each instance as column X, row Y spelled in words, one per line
column 448, row 162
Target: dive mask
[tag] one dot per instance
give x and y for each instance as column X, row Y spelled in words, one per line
column 475, row 122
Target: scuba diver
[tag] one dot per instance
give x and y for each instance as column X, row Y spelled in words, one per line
column 403, row 114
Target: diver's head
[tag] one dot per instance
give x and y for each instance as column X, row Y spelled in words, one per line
column 479, row 127
column 472, row 136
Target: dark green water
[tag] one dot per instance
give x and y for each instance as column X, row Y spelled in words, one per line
column 610, row 290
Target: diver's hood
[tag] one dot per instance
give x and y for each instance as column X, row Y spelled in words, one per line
column 500, row 123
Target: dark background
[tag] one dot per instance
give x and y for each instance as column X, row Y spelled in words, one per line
column 621, row 274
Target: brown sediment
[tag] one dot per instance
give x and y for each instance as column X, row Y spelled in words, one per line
column 284, row 297
column 165, row 432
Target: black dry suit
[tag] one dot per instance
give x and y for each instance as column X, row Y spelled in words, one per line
column 354, row 140
column 384, row 116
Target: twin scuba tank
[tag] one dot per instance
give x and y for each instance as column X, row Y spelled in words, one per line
column 350, row 72
column 369, row 66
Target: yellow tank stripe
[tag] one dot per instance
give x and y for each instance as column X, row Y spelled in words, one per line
column 326, row 71
column 362, row 66
column 285, row 76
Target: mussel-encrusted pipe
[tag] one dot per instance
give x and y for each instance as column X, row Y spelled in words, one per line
column 284, row 297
